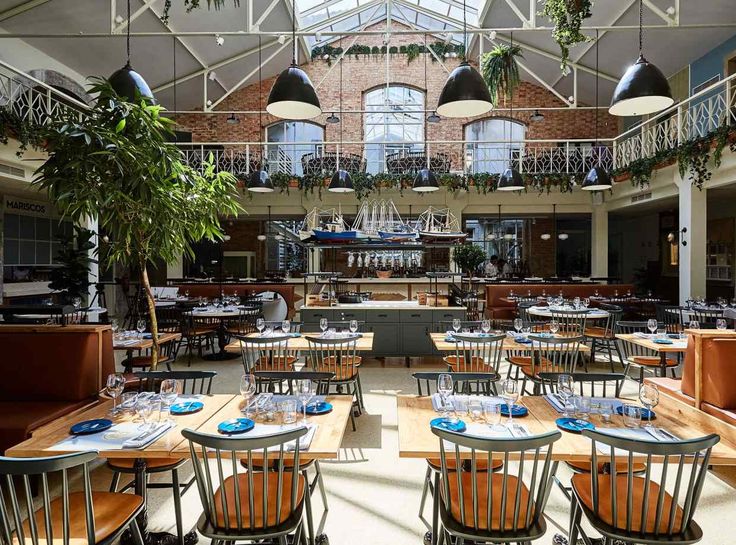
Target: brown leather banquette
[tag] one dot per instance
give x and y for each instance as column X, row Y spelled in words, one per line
column 211, row 290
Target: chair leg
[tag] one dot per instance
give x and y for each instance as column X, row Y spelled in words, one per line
column 308, row 511
column 436, row 510
column 135, row 531
column 360, row 393
column 177, row 505
column 425, row 489
column 115, row 481
column 321, row 484
column 576, row 514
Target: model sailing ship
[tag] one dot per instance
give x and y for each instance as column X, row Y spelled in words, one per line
column 380, row 220
column 439, row 225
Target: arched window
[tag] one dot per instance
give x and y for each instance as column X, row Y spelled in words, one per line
column 289, row 142
column 394, row 123
column 492, row 144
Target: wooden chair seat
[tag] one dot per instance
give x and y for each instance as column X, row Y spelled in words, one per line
column 202, row 330
column 581, row 484
column 457, row 364
column 652, row 361
column 481, row 465
column 228, row 489
column 111, row 512
column 304, row 463
column 599, row 333
column 345, row 369
column 528, row 372
column 276, row 363
column 482, row 482
column 145, row 361
column 126, row 465
column 621, row 467
column 526, row 361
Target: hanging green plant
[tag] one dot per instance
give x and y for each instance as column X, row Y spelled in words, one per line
column 568, row 17
column 501, row 71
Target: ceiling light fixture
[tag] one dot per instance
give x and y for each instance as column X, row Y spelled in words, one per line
column 563, row 236
column 219, row 40
column 597, row 178
column 126, row 82
column 536, row 116
column 332, row 119
column 545, row 236
column 212, row 76
column 465, row 93
column 434, row 118
column 643, row 89
column 232, row 119
column 293, row 96
column 341, row 181
column 259, row 181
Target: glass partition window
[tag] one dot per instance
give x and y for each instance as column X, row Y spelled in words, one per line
column 289, row 142
column 492, row 144
column 394, row 122
column 29, row 240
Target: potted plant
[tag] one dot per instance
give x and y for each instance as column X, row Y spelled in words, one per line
column 71, row 278
column 468, row 257
column 501, row 71
column 118, row 166
column 568, row 17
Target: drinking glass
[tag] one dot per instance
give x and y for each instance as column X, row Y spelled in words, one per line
column 169, row 390
column 721, row 324
column 304, row 392
column 606, row 411
column 554, row 327
column 286, row 326
column 694, row 324
column 76, row 302
column 661, row 333
column 485, row 326
column 115, row 325
column 632, row 415
column 475, row 408
column 144, row 408
column 247, row 390
column 586, row 302
column 186, row 294
column 444, row 388
column 127, row 402
column 582, row 407
column 288, row 411
column 323, row 325
column 565, row 389
column 652, row 325
column 140, row 326
column 260, row 324
column 492, row 413
column 114, row 387
column 649, row 397
column 576, row 302
column 518, row 324
column 456, row 325
column 510, row 393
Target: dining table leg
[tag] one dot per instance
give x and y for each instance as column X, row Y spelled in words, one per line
column 663, row 363
column 221, row 354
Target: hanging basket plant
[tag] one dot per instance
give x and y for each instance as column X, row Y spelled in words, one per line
column 568, row 17
column 501, row 71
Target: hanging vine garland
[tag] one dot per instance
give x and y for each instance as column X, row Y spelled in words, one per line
column 442, row 50
column 568, row 17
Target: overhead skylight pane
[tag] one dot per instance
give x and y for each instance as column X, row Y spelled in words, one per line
column 351, row 23
column 341, row 7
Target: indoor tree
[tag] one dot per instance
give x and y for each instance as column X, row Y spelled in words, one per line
column 71, row 278
column 118, row 166
column 468, row 257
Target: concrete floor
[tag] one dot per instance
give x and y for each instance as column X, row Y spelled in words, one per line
column 374, row 495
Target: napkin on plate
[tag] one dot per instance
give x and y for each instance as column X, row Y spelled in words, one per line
column 270, row 429
column 458, row 403
column 149, row 436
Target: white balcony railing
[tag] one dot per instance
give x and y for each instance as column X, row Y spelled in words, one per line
column 694, row 117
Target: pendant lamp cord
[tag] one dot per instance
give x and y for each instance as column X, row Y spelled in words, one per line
column 596, row 87
column 465, row 32
column 174, row 67
column 293, row 31
column 641, row 27
column 127, row 35
column 341, row 119
column 260, row 101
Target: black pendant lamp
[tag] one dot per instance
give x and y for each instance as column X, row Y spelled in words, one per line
column 597, row 179
column 341, row 181
column 293, row 96
column 425, row 180
column 126, row 82
column 643, row 89
column 511, row 179
column 465, row 94
column 259, row 181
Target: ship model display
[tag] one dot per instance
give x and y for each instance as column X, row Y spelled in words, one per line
column 439, row 225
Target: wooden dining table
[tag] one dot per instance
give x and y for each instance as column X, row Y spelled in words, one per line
column 416, row 439
column 678, row 346
column 143, row 343
column 301, row 344
column 509, row 344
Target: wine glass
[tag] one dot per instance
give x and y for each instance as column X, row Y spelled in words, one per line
column 649, row 397
column 323, row 325
column 510, row 393
column 260, row 324
column 565, row 389
column 304, row 392
column 444, row 388
column 694, row 324
column 144, row 409
column 485, row 326
column 114, row 387
column 140, row 326
column 247, row 390
column 286, row 326
column 554, row 327
column 115, row 325
column 456, row 325
column 652, row 325
column 721, row 324
column 169, row 390
column 76, row 302
column 353, row 326
column 518, row 324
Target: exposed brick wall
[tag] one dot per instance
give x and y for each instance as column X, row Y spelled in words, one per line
column 368, row 72
column 541, row 253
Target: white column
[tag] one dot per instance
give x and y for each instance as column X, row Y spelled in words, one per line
column 693, row 217
column 599, row 241
column 175, row 269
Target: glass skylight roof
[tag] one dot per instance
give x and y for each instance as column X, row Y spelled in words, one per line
column 350, row 15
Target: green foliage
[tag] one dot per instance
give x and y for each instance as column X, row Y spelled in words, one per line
column 24, row 130
column 468, row 257
column 195, row 4
column 329, row 53
column 72, row 277
column 568, row 17
column 501, row 71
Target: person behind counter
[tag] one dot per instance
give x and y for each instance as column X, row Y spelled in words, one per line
column 492, row 266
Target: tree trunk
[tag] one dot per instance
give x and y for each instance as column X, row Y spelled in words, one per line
column 152, row 314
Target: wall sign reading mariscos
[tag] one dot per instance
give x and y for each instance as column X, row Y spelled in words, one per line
column 25, row 207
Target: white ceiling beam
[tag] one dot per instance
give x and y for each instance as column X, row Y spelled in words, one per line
column 133, row 16
column 301, row 39
column 249, row 75
column 672, row 21
column 520, row 14
column 434, row 54
column 266, row 13
column 482, row 14
column 344, row 15
column 21, row 8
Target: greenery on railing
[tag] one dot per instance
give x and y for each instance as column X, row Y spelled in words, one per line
column 692, row 157
column 27, row 133
column 568, row 17
column 412, row 51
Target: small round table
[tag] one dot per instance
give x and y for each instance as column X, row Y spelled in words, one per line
column 546, row 312
column 223, row 315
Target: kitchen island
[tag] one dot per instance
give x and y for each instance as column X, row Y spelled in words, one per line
column 401, row 328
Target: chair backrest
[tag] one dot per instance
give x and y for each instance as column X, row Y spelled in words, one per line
column 555, row 354
column 282, row 382
column 169, row 319
column 17, row 473
column 670, row 316
column 237, row 493
column 615, row 312
column 508, row 503
column 665, row 516
column 475, row 354
column 192, row 382
column 590, row 384
column 427, row 381
column 341, row 325
column 336, row 356
column 471, row 325
column 296, row 327
column 265, row 353
column 571, row 322
column 706, row 316
column 629, row 349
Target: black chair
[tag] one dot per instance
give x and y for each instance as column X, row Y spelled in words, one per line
column 85, row 516
column 640, row 356
column 603, row 337
column 282, row 382
column 193, row 383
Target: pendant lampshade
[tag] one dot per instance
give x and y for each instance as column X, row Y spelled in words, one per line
column 341, row 182
column 425, row 181
column 597, row 180
column 510, row 180
column 126, row 82
column 293, row 96
column 260, row 182
column 643, row 90
column 465, row 94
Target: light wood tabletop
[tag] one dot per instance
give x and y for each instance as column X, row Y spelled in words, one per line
column 145, row 344
column 678, row 345
column 509, row 344
column 300, row 344
column 416, row 439
column 325, row 443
